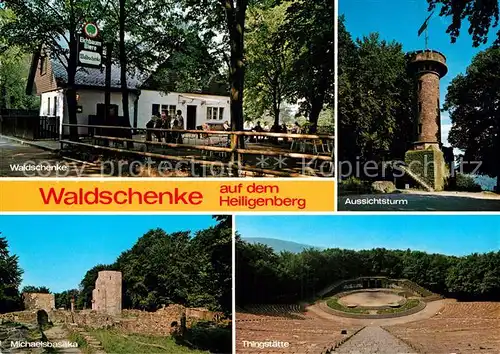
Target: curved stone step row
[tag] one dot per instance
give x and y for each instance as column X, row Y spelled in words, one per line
column 93, row 343
column 374, row 340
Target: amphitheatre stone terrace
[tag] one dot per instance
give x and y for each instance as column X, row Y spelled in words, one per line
column 372, row 315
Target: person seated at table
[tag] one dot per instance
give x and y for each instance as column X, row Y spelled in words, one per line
column 248, row 126
column 276, row 128
column 176, row 137
column 226, row 126
column 149, row 125
column 296, row 129
column 284, row 128
column 165, row 124
column 258, row 128
column 180, row 119
column 158, row 125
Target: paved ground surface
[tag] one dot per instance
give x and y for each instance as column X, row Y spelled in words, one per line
column 430, row 310
column 13, row 153
column 372, row 340
column 370, row 298
column 421, row 201
column 58, row 334
column 30, row 333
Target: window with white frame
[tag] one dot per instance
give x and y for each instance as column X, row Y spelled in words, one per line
column 48, row 106
column 169, row 109
column 215, row 113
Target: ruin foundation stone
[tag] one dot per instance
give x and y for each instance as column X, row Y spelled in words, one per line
column 107, row 295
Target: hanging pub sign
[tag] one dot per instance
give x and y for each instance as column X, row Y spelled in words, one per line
column 90, row 47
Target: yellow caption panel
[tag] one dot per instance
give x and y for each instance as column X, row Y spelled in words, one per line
column 130, row 195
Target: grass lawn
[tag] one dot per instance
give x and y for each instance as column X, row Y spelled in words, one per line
column 334, row 304
column 117, row 343
column 408, row 305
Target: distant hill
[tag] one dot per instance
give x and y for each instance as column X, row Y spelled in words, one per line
column 279, row 245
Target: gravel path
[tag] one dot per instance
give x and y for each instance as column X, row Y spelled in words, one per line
column 372, row 340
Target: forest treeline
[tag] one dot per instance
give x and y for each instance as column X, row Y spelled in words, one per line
column 160, row 269
column 263, row 276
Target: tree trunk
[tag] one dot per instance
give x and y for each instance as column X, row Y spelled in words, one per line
column 237, row 77
column 107, row 93
column 237, row 70
column 123, row 76
column 276, row 111
column 71, row 91
column 123, row 63
column 316, row 107
column 107, row 82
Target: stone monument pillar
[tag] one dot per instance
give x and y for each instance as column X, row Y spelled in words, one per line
column 426, row 159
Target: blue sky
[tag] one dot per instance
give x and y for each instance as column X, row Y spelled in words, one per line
column 56, row 251
column 446, row 234
column 400, row 20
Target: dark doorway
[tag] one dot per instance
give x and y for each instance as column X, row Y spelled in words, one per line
column 42, row 318
column 191, row 118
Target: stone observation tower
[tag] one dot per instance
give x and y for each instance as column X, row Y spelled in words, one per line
column 428, row 67
column 426, row 159
column 107, row 295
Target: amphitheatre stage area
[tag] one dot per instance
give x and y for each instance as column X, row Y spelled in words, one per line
column 371, row 299
column 371, row 315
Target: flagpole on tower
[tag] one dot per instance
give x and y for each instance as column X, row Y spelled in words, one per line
column 425, row 28
column 426, row 38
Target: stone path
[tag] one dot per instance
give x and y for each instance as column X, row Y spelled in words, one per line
column 58, row 334
column 371, row 340
column 93, row 343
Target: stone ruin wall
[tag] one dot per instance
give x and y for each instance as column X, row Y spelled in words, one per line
column 107, row 295
column 39, row 301
column 160, row 322
column 107, row 311
column 157, row 323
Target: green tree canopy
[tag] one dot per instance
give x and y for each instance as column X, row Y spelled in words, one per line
column 481, row 15
column 263, row 276
column 63, row 299
column 180, row 268
column 269, row 61
column 10, row 279
column 309, row 34
column 472, row 100
column 35, row 289
column 376, row 120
